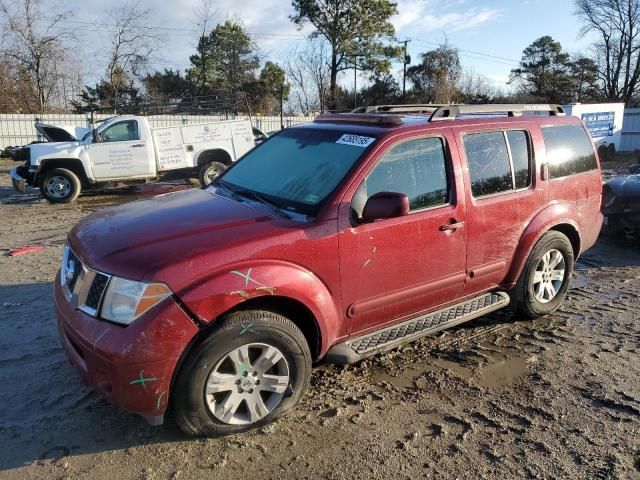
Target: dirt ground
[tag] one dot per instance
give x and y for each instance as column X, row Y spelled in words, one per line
column 496, row 398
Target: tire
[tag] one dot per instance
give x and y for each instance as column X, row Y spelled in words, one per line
column 209, row 172
column 529, row 297
column 60, row 185
column 198, row 411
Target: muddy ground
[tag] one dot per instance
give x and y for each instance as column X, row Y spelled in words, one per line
column 496, row 398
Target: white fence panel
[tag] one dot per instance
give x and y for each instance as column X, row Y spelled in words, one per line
column 631, row 130
column 19, row 129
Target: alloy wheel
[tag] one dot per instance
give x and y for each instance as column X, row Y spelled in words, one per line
column 247, row 384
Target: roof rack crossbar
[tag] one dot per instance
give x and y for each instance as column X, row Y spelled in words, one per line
column 408, row 108
column 451, row 112
column 365, row 118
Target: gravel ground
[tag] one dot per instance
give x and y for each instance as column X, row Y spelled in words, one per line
column 496, row 398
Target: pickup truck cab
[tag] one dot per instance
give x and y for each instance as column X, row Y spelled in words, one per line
column 377, row 229
column 126, row 150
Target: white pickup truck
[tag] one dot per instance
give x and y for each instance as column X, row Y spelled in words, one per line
column 125, row 150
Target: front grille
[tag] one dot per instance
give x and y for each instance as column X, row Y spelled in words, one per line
column 82, row 286
column 73, row 269
column 95, row 292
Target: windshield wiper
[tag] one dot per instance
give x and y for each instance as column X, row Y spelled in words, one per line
column 243, row 192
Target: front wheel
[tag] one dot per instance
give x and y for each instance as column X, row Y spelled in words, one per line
column 546, row 277
column 249, row 371
column 209, row 172
column 60, row 185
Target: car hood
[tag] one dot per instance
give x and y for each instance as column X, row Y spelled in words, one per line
column 140, row 238
column 61, row 133
column 627, row 186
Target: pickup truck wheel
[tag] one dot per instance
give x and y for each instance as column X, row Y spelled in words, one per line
column 250, row 370
column 211, row 171
column 60, row 185
column 546, row 277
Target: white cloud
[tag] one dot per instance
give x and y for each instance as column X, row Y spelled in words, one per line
column 430, row 15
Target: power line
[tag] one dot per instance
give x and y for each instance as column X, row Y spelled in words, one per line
column 503, row 60
column 188, row 30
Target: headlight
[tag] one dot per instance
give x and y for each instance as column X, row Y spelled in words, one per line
column 127, row 300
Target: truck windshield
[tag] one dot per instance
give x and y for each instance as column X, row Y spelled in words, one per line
column 299, row 168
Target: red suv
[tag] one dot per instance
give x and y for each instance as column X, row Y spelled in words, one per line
column 331, row 240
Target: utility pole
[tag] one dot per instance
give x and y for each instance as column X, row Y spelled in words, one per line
column 405, row 61
column 355, row 79
column 282, row 106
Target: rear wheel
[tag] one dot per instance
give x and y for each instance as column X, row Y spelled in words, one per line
column 251, row 370
column 546, row 277
column 60, row 185
column 210, row 171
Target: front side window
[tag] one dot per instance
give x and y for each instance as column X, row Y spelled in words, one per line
column 121, row 132
column 569, row 150
column 299, row 168
column 416, row 168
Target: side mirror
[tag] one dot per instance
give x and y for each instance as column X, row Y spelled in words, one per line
column 385, row 205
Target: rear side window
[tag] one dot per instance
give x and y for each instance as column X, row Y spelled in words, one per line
column 519, row 145
column 498, row 161
column 569, row 150
column 416, row 168
column 489, row 165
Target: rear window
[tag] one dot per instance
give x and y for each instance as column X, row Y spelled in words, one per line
column 569, row 150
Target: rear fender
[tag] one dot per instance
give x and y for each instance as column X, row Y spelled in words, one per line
column 227, row 290
column 562, row 215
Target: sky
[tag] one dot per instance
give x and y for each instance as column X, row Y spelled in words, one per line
column 490, row 34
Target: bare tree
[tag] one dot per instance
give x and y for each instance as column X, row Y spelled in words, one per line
column 205, row 15
column 35, row 42
column 308, row 70
column 133, row 43
column 617, row 24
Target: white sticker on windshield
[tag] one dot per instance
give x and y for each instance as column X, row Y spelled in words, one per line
column 356, row 140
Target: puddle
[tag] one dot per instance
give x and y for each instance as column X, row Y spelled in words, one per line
column 501, row 373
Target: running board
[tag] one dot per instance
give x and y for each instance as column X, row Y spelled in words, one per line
column 355, row 349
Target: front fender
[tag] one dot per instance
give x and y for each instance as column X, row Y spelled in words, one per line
column 233, row 286
column 551, row 217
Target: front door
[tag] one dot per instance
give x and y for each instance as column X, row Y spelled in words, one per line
column 122, row 151
column 396, row 268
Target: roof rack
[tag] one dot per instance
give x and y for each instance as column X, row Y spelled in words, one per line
column 365, row 118
column 451, row 112
column 409, row 108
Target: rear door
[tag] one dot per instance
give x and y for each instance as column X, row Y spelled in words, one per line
column 396, row 268
column 504, row 193
column 123, row 151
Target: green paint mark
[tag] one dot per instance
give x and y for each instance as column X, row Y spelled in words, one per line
column 247, row 328
column 142, row 380
column 159, row 399
column 243, row 368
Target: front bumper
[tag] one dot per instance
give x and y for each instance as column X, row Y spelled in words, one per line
column 131, row 366
column 19, row 183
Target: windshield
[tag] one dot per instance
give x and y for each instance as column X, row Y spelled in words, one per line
column 299, row 168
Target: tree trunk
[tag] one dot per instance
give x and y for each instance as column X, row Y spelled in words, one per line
column 333, row 90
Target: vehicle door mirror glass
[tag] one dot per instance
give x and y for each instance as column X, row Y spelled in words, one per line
column 385, row 205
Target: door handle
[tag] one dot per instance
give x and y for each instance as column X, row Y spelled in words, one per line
column 137, row 145
column 450, row 227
